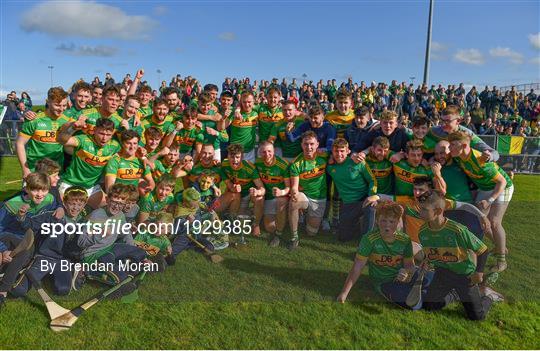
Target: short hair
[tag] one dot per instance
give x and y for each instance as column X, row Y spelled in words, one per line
column 235, row 149
column 47, row 166
column 37, row 181
column 205, row 98
column 273, row 90
column 388, row 115
column 128, row 134
column 315, row 110
column 81, row 86
column 169, row 91
column 339, row 143
column 207, row 174
column 160, row 101
column 75, row 192
column 421, row 121
column 381, row 141
column 451, row 110
column 133, row 97
column 459, row 135
column 265, row 143
column 210, row 87
column 119, row 190
column 421, row 180
column 190, row 112
column 343, row 95
column 361, row 111
column 387, row 208
column 167, row 180
column 153, row 133
column 434, row 198
column 415, row 144
column 111, row 89
column 288, row 102
column 132, row 192
column 56, row 94
column 227, row 93
column 105, row 123
column 245, row 94
column 145, row 89
column 309, row 134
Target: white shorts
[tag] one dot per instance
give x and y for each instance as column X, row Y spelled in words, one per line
column 63, row 186
column 250, row 156
column 315, row 207
column 505, row 196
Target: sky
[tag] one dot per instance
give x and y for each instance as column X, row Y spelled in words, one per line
column 474, row 42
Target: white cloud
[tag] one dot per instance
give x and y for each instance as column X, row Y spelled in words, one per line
column 85, row 19
column 160, row 10
column 513, row 56
column 535, row 60
column 84, row 50
column 227, row 36
column 534, row 39
column 470, row 56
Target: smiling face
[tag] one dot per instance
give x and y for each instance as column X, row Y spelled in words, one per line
column 343, row 105
column 379, row 152
column 37, row 195
column 144, row 98
column 129, row 147
column 450, row 123
column 273, row 99
column 414, row 157
column 267, row 153
column 420, row 131
column 115, row 204
column 161, row 111
column 309, row 147
column 82, row 98
column 130, row 108
column 56, row 108
column 316, row 120
column 235, row 160
column 162, row 191
column 388, row 126
column 340, row 154
column 207, row 154
column 247, row 102
column 74, row 207
column 205, row 108
column 110, row 103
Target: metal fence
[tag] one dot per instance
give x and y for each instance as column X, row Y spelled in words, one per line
column 527, row 162
column 522, row 88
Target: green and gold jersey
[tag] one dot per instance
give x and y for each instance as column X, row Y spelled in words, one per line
column 215, row 140
column 268, row 117
column 312, row 175
column 126, row 170
column 89, row 160
column 243, row 131
column 199, row 169
column 457, row 183
column 165, row 126
column 481, row 173
column 272, row 176
column 146, row 112
column 93, row 114
column 244, row 176
column 42, row 132
column 339, row 121
column 73, row 112
column 428, row 143
column 354, row 181
column 383, row 172
column 405, row 174
column 278, row 133
column 452, row 247
column 160, row 168
column 152, row 205
column 152, row 244
column 187, row 138
column 384, row 259
column 14, row 204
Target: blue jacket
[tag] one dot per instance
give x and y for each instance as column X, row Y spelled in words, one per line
column 325, row 134
column 355, row 135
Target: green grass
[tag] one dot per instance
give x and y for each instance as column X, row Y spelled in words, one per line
column 272, row 298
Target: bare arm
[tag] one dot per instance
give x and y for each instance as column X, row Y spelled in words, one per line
column 21, row 154
column 354, row 274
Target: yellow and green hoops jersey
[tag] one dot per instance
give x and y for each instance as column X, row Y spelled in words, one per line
column 243, row 131
column 150, row 204
column 199, row 169
column 481, row 173
column 42, row 143
column 405, row 174
column 89, row 160
column 457, row 183
column 93, row 114
column 278, row 133
column 126, row 170
column 268, row 117
column 451, row 247
column 311, row 174
column 72, row 112
column 428, row 143
column 215, row 140
column 146, row 112
column 272, row 176
column 384, row 259
column 339, row 121
column 383, row 172
column 354, row 181
column 165, row 126
column 160, row 168
column 152, row 244
column 244, row 176
column 187, row 138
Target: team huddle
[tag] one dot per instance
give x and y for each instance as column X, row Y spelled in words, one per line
column 420, row 201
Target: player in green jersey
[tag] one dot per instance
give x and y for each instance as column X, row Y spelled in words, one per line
column 161, row 199
column 379, row 162
column 126, row 167
column 131, row 118
column 495, row 189
column 159, row 120
column 457, row 183
column 269, row 114
column 206, row 164
column 187, row 135
column 420, row 129
column 170, row 94
column 244, row 126
column 226, row 109
column 37, row 138
column 405, row 171
column 343, row 116
column 82, row 96
column 91, row 154
column 388, row 254
column 283, row 147
column 274, row 173
column 145, row 96
column 458, row 256
column 109, row 104
column 169, row 164
column 243, row 185
column 97, row 95
column 357, row 188
column 212, row 124
column 308, row 187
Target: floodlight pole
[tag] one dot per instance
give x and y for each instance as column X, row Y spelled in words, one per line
column 51, row 69
column 428, row 43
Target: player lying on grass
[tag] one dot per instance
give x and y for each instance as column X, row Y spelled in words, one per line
column 157, row 244
column 459, row 258
column 388, row 254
